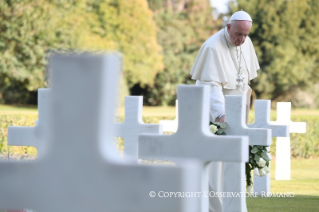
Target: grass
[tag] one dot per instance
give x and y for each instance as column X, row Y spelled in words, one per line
column 7, row 109
column 304, row 183
column 171, row 111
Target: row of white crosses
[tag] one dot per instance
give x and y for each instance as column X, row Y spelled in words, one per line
column 281, row 129
column 262, row 120
column 239, row 153
column 235, row 110
column 79, row 169
column 194, row 140
column 133, row 126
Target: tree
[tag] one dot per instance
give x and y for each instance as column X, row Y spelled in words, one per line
column 285, row 36
column 126, row 26
column 27, row 30
column 182, row 29
column 30, row 28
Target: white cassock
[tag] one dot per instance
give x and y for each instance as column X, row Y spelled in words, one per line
column 217, row 65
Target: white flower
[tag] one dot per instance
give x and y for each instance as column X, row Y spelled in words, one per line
column 261, row 163
column 213, row 128
column 269, row 156
column 267, row 169
column 256, row 172
column 262, row 172
column 250, row 189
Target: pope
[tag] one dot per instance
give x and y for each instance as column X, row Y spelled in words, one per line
column 226, row 62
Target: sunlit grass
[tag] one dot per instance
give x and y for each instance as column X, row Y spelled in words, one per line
column 304, row 184
column 7, row 109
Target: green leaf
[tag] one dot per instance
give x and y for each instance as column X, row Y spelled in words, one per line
column 257, row 157
column 259, row 147
column 251, row 161
column 223, row 125
column 265, row 156
column 220, row 132
column 254, row 150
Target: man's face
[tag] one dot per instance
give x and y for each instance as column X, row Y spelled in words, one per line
column 238, row 31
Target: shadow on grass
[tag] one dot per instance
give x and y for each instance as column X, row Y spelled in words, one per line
column 297, row 203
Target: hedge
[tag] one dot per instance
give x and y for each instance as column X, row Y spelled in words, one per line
column 302, row 145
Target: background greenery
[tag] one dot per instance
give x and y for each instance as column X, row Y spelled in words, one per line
column 302, row 145
column 285, row 35
column 159, row 40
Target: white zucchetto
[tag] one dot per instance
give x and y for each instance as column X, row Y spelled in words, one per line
column 241, row 16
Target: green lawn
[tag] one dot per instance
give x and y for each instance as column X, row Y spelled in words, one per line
column 6, row 109
column 170, row 111
column 304, row 184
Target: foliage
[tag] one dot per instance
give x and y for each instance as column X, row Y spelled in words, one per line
column 126, row 26
column 181, row 32
column 258, row 161
column 217, row 129
column 285, row 36
column 304, row 145
column 27, row 30
column 30, row 28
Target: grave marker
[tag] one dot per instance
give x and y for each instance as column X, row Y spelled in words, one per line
column 262, row 120
column 133, row 125
column 283, row 143
column 235, row 110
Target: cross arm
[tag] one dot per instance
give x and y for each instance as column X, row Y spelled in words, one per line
column 206, row 149
column 21, row 136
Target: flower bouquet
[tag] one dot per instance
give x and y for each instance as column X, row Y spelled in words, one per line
column 217, row 128
column 259, row 157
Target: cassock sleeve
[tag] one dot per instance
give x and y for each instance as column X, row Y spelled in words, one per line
column 217, row 99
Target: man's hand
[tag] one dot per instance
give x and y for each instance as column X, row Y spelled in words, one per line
column 222, row 119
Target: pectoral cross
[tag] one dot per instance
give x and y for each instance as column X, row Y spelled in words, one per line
column 239, row 80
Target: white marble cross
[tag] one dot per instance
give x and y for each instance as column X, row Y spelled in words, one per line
column 81, row 170
column 133, row 125
column 193, row 138
column 283, row 143
column 171, row 125
column 235, row 111
column 33, row 136
column 262, row 120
